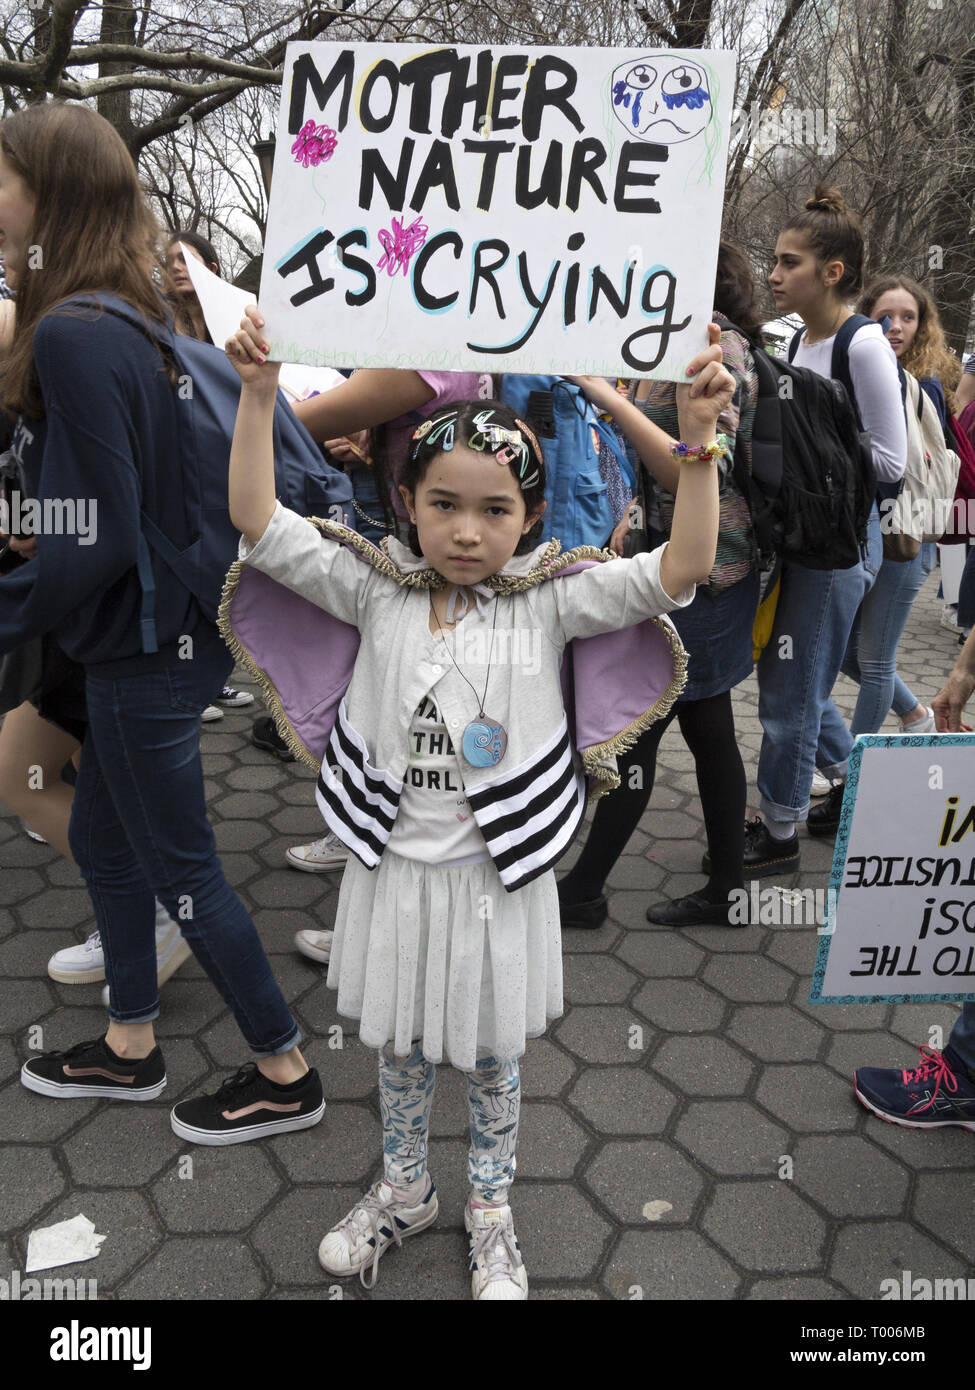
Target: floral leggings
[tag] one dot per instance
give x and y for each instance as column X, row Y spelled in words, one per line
column 493, row 1100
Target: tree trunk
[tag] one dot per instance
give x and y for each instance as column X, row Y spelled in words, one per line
column 118, row 26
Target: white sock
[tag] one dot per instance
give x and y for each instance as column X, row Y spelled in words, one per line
column 781, row 829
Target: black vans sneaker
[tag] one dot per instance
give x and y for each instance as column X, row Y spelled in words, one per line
column 92, row 1069
column 248, row 1106
column 264, row 735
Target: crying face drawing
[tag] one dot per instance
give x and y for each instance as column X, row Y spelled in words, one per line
column 661, row 98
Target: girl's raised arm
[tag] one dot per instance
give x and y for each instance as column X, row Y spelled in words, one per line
column 251, row 485
column 369, row 398
column 689, row 556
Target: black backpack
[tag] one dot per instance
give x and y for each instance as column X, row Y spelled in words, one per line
column 812, row 483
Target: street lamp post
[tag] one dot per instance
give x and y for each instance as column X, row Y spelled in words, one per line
column 264, row 152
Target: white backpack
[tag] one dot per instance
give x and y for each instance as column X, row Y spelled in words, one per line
column 923, row 508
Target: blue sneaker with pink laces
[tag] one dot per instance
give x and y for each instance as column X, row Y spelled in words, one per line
column 940, row 1091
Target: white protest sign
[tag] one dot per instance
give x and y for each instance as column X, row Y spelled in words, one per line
column 519, row 209
column 222, row 303
column 903, row 879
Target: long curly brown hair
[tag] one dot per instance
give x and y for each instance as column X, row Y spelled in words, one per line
column 928, row 354
column 91, row 224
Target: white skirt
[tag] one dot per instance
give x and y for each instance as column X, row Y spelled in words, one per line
column 446, row 956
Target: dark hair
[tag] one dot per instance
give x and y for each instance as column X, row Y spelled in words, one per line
column 90, row 218
column 834, row 233
column 198, row 243
column 471, row 416
column 734, row 293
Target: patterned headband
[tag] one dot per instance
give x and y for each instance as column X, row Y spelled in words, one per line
column 509, row 447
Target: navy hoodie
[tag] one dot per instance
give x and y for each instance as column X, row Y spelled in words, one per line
column 109, row 438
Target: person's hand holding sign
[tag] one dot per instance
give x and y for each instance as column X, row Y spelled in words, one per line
column 251, row 482
column 952, row 698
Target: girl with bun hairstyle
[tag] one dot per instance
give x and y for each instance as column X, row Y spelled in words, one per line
column 818, row 268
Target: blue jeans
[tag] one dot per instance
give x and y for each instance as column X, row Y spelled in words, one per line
column 871, row 653
column 139, row 831
column 802, row 727
column 962, row 1038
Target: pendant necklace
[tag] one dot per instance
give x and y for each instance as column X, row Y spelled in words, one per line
column 484, row 740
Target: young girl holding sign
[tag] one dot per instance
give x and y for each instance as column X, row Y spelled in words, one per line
column 447, row 928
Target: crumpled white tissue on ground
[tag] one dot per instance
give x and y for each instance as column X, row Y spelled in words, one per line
column 66, row 1243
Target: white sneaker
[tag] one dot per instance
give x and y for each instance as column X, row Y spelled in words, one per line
column 316, row 945
column 79, row 965
column 210, row 714
column 320, row 856
column 920, row 726
column 378, row 1220
column 497, row 1269
column 820, row 785
column 949, row 617
column 32, row 834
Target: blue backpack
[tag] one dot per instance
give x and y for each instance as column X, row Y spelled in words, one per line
column 206, row 395
column 578, row 510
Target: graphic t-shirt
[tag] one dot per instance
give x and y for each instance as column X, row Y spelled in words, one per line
column 434, row 823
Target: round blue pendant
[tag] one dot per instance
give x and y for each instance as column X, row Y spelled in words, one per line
column 484, row 742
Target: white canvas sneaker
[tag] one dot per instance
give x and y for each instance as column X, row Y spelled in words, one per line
column 497, row 1270
column 316, row 945
column 79, row 965
column 380, row 1219
column 211, row 713
column 820, row 785
column 318, row 857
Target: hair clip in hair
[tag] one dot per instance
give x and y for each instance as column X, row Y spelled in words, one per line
column 423, row 429
column 443, row 429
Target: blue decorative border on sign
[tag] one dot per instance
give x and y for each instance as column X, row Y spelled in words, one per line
column 863, row 741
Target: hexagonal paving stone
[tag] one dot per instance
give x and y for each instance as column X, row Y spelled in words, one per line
column 561, row 1235
column 349, row 1073
column 240, row 835
column 732, row 1137
column 848, row 1051
column 775, row 1033
column 632, row 872
column 289, row 888
column 747, row 979
column 345, row 1147
column 18, row 884
column 596, row 981
column 31, row 1118
column 126, row 1221
column 680, row 1006
column 208, row 1190
column 198, row 1268
column 59, row 909
column 660, row 954
column 705, row 1066
column 288, row 1237
column 29, row 1179
column 186, row 1070
column 29, row 1003
column 765, row 1226
column 841, row 1016
column 244, row 805
column 736, row 939
column 916, row 1022
column 868, row 1252
column 263, row 777
column 850, row 1177
column 122, row 1146
column 186, row 1007
column 942, row 1202
column 546, row 1066
column 922, row 1148
column 622, row 1100
column 660, row 1264
column 603, row 1034
column 550, row 1143
column 807, row 1097
column 433, row 1266
column 794, row 948
column 797, row 1289
column 634, row 1180
column 26, row 954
